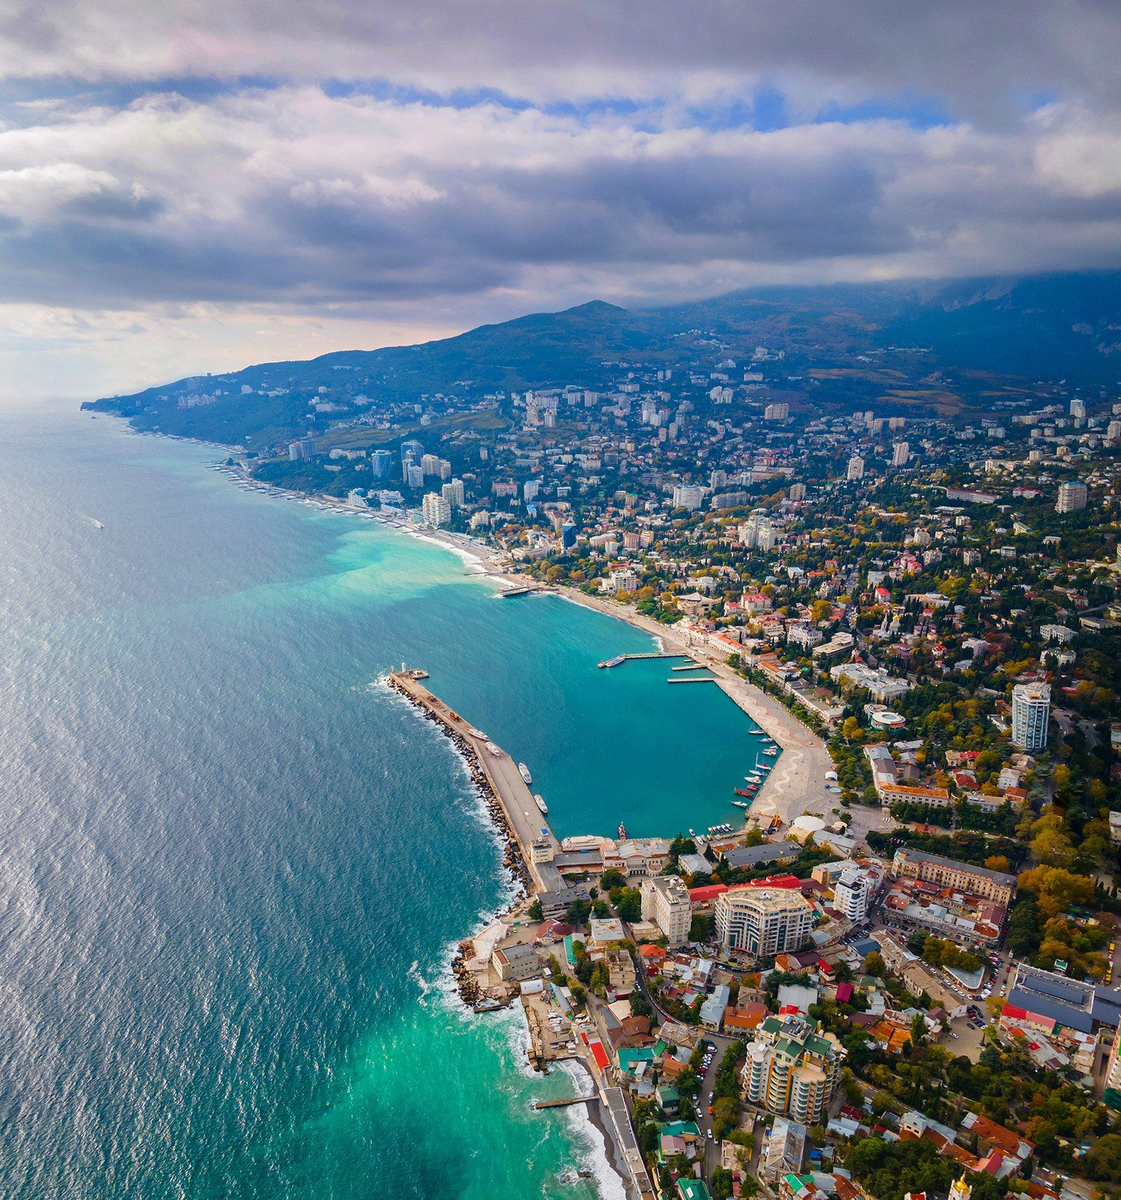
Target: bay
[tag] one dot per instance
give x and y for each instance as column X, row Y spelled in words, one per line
column 232, row 862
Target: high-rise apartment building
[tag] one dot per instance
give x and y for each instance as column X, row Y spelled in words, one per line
column 1072, row 497
column 763, row 922
column 793, row 1068
column 688, row 497
column 1031, row 709
column 851, row 893
column 665, row 901
column 453, row 493
column 757, row 532
column 1112, row 1096
column 855, row 468
column 380, row 463
column 900, row 454
column 303, row 449
column 435, row 510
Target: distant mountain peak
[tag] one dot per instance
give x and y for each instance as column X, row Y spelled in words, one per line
column 594, row 306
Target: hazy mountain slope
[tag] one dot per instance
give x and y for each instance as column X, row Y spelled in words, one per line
column 1047, row 327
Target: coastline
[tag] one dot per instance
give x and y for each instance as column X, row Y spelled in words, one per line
column 492, row 567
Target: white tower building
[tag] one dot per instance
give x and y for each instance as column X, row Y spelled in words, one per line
column 1031, row 708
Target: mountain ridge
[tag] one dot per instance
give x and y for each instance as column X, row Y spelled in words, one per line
column 1035, row 328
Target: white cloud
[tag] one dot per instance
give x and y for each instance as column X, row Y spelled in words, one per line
column 650, row 175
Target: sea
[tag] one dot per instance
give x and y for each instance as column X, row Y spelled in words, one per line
column 234, row 865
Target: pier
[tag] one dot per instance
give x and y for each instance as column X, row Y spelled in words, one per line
column 693, row 666
column 565, row 1103
column 506, row 593
column 693, row 679
column 525, row 822
column 655, row 654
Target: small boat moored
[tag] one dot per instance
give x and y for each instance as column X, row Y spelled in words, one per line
column 523, row 771
column 611, row 662
column 539, row 801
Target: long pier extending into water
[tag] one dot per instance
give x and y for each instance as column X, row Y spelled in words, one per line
column 525, row 822
column 655, row 654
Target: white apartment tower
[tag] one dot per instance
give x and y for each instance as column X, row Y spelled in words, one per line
column 687, row 497
column 1031, row 708
column 900, row 454
column 855, row 468
column 757, row 532
column 763, row 922
column 850, row 895
column 1072, row 497
column 665, row 901
column 435, row 510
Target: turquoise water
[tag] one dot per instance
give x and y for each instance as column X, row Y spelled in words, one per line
column 232, row 863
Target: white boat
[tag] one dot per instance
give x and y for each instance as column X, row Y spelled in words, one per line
column 540, row 803
column 523, row 771
column 477, row 733
column 494, row 750
column 741, row 804
column 771, row 751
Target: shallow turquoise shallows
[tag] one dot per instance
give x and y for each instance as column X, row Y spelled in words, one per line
column 232, row 863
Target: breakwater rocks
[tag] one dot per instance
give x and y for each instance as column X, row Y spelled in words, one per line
column 466, row 981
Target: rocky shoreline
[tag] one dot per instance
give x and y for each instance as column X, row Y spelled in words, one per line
column 466, row 984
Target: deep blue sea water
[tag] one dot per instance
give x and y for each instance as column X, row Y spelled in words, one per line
column 232, row 862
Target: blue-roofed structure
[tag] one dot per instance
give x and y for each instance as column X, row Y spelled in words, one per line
column 1070, row 1002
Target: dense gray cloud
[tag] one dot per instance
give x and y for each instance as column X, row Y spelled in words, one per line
column 975, row 53
column 288, row 193
column 640, row 152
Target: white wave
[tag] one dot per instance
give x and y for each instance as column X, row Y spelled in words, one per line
column 414, row 974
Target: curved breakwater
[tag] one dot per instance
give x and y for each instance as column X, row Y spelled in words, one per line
column 234, row 874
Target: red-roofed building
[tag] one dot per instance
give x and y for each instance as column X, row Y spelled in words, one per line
column 706, row 895
column 844, row 993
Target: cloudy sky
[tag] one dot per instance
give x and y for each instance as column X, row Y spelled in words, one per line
column 204, row 184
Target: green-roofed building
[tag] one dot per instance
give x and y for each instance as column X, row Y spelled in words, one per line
column 793, row 1068
column 692, row 1189
column 669, row 1100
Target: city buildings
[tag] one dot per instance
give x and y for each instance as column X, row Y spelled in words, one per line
column 435, row 510
column 900, row 454
column 302, row 449
column 792, row 1068
column 855, row 469
column 763, row 922
column 665, row 901
column 1031, row 709
column 851, row 894
column 948, row 872
column 453, row 493
column 1072, row 497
